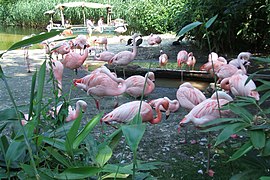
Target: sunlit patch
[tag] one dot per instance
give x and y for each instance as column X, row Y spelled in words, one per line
column 21, row 74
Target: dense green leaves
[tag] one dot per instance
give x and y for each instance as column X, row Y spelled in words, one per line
column 188, row 28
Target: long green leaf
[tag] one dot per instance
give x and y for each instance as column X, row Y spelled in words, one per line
column 221, row 120
column 229, row 130
column 60, row 158
column 189, row 27
column 111, row 168
column 14, row 151
column 210, row 21
column 266, row 149
column 115, row 175
column 72, row 134
column 86, row 130
column 240, row 152
column 41, row 82
column 242, row 112
column 79, row 173
column 32, row 94
column 104, row 155
column 257, row 138
column 114, row 138
column 33, row 40
column 264, row 97
column 54, row 142
column 133, row 134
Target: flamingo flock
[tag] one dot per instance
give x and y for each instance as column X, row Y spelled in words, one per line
column 101, row 82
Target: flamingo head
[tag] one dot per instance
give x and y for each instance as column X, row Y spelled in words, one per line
column 76, row 81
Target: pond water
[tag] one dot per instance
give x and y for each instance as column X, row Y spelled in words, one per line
column 10, row 35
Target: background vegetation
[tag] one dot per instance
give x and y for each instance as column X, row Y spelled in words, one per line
column 241, row 24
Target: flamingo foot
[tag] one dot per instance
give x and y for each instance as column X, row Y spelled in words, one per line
column 97, row 104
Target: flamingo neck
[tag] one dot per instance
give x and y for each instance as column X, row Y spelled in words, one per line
column 165, row 104
column 225, row 84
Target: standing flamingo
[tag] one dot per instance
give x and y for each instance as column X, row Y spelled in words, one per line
column 61, row 48
column 237, row 85
column 182, row 57
column 126, row 112
column 135, row 85
column 102, row 41
column 191, row 61
column 80, row 42
column 101, row 83
column 73, row 60
column 125, row 57
column 26, row 52
column 173, row 104
column 57, row 69
column 163, row 59
column 189, row 96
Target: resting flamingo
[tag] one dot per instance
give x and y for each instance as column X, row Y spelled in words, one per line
column 163, row 59
column 244, row 59
column 73, row 60
column 237, row 85
column 154, row 39
column 57, row 70
column 189, row 96
column 126, row 112
column 105, row 56
column 173, row 104
column 125, row 57
column 101, row 83
column 135, row 84
column 72, row 113
column 207, row 110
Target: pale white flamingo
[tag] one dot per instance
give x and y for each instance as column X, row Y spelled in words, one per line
column 26, row 52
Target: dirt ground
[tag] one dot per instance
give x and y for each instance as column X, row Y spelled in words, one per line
column 161, row 142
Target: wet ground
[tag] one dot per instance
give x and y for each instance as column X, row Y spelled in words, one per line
column 161, row 142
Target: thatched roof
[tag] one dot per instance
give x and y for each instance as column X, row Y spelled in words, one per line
column 83, row 4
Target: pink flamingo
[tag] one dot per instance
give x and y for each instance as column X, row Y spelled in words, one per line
column 182, row 57
column 125, row 57
column 26, row 53
column 102, row 41
column 227, row 70
column 72, row 113
column 207, row 110
column 173, row 104
column 189, row 96
column 153, row 39
column 101, row 83
column 105, row 56
column 163, row 59
column 61, row 48
column 126, row 112
column 57, row 69
column 80, row 42
column 135, row 84
column 236, row 84
column 73, row 60
column 191, row 61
